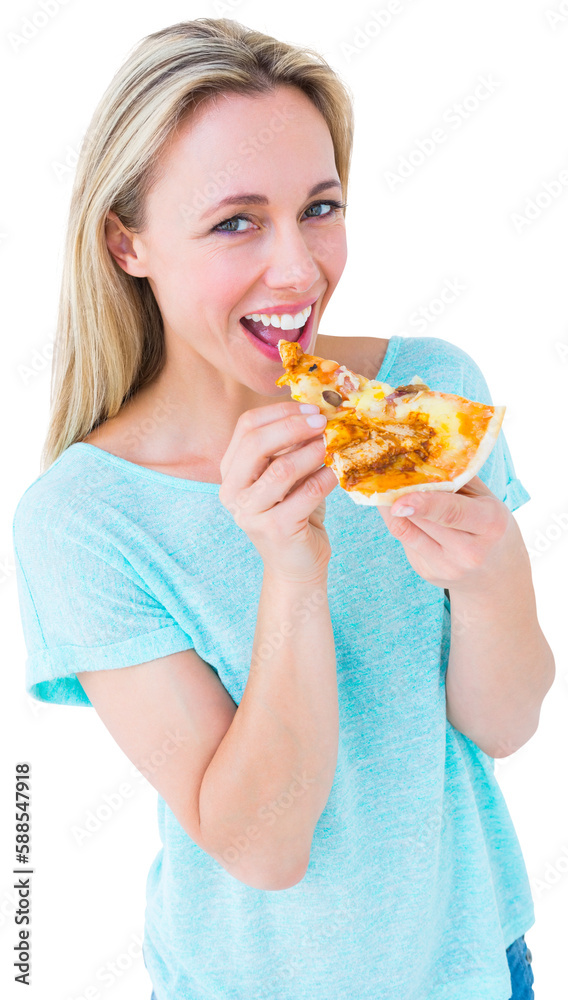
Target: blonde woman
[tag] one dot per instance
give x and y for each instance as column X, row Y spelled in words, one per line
column 187, row 565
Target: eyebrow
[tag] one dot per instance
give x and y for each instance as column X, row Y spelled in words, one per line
column 261, row 199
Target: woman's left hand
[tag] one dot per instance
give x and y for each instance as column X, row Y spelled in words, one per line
column 455, row 540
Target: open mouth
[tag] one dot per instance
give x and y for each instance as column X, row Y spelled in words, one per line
column 270, row 334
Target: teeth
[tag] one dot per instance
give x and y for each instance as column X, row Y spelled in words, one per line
column 283, row 321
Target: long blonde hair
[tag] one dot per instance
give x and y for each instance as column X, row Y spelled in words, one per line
column 110, row 338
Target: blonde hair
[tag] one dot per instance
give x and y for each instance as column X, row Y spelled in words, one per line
column 109, row 338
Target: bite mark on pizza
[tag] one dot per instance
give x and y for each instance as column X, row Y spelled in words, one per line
column 384, row 441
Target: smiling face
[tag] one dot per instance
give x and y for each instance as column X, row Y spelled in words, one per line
column 210, row 265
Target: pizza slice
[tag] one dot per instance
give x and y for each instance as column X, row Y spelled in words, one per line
column 383, row 441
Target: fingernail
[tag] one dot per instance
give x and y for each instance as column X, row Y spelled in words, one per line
column 403, row 512
column 309, row 408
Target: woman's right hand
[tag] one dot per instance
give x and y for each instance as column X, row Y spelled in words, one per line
column 279, row 499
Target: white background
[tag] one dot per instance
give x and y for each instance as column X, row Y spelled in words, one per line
column 459, row 215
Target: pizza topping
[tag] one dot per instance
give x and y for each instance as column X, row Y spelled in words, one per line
column 349, row 385
column 313, row 368
column 347, row 380
column 331, row 397
column 328, row 366
column 379, row 448
column 407, row 390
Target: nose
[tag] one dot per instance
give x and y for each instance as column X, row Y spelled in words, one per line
column 290, row 262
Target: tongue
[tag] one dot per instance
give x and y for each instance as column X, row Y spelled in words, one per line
column 270, row 334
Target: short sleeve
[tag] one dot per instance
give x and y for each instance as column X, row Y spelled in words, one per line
column 457, row 372
column 498, row 471
column 82, row 604
column 451, row 369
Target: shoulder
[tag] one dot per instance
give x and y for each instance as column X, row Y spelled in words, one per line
column 63, row 498
column 41, row 502
column 444, row 366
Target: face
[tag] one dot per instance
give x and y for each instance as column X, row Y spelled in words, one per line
column 210, row 265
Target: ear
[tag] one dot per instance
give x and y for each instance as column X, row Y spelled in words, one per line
column 120, row 242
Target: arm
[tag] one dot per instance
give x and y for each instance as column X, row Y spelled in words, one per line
column 500, row 666
column 269, row 781
column 247, row 783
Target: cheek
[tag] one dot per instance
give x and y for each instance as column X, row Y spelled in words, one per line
column 204, row 284
column 330, row 250
column 339, row 259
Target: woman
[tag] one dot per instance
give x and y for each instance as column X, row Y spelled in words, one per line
column 330, row 820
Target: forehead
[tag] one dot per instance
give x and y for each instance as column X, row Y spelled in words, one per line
column 252, row 142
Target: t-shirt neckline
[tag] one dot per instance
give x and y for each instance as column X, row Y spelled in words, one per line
column 195, row 484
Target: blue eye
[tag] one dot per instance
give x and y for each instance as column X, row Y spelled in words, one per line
column 335, row 208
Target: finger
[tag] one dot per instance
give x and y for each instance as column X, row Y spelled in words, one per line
column 411, row 535
column 257, row 417
column 284, row 476
column 300, row 482
column 445, row 537
column 476, row 487
column 450, row 543
column 260, row 443
column 473, row 514
column 307, row 496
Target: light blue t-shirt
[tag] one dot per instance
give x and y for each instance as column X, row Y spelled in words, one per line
column 416, row 883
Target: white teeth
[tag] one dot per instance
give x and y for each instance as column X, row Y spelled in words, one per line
column 283, row 321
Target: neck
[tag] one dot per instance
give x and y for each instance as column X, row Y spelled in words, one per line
column 190, row 410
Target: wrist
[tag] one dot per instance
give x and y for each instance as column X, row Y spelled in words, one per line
column 296, row 582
